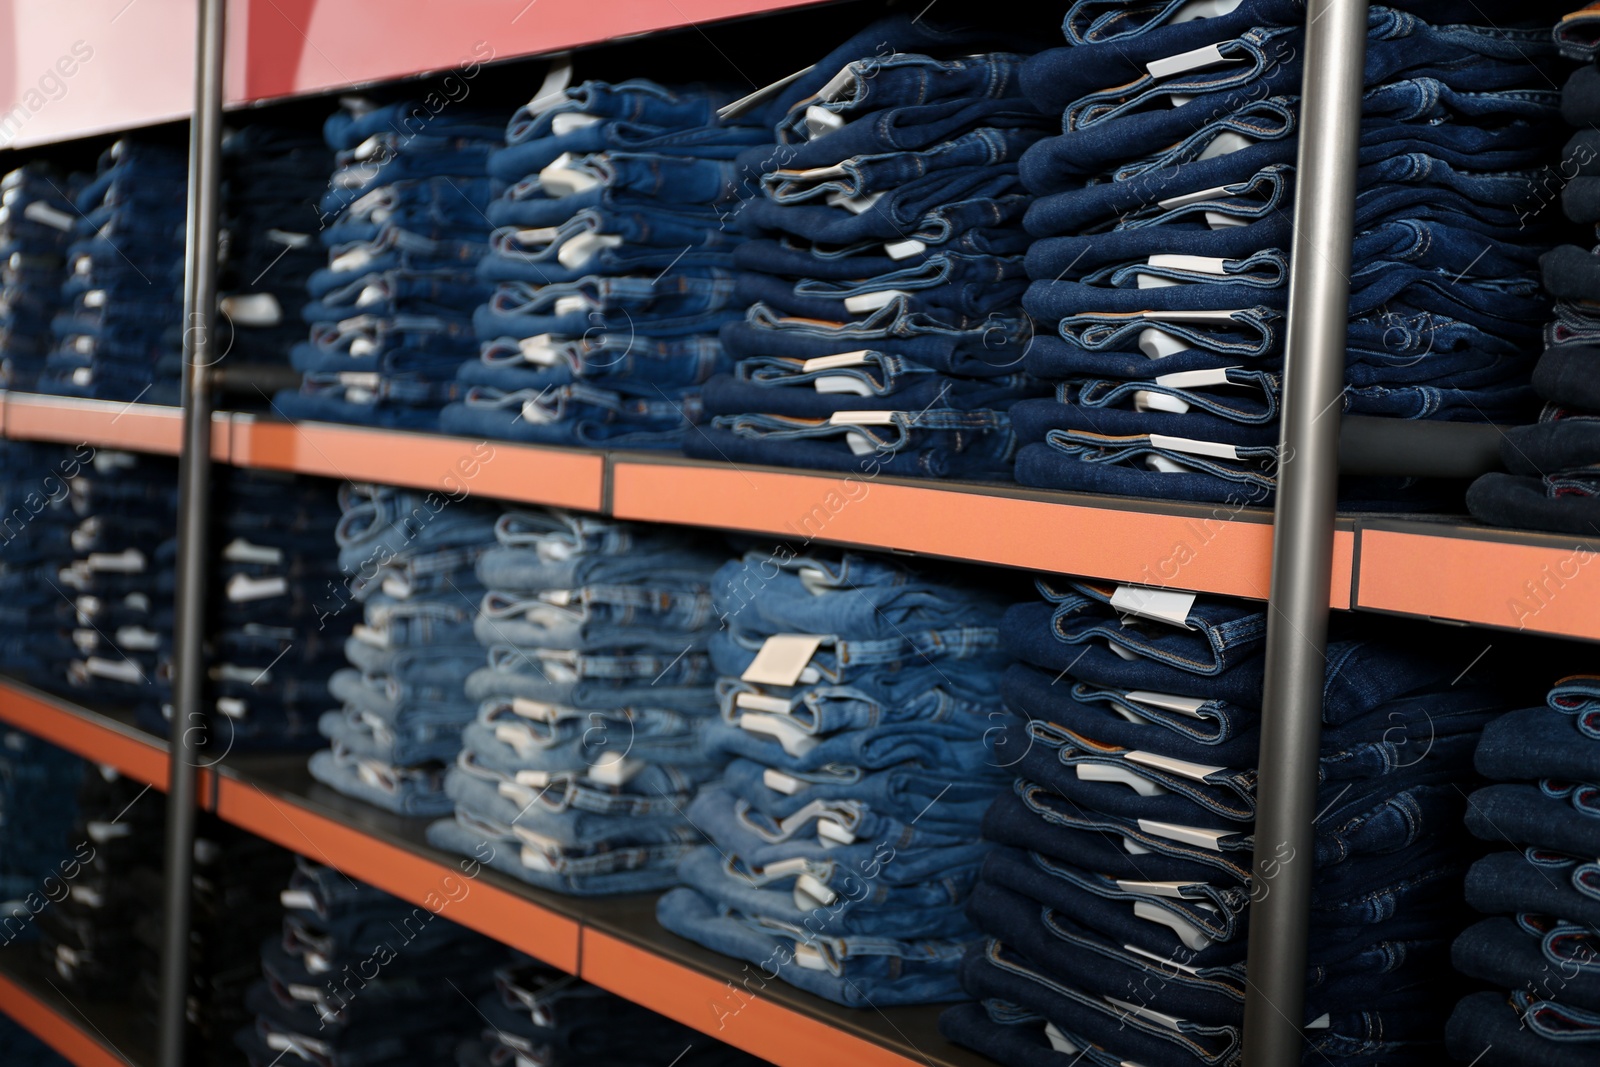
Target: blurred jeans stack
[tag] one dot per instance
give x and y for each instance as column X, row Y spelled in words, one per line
column 1164, row 226
column 111, row 874
column 38, row 534
column 272, row 644
column 1541, row 948
column 537, row 1015
column 1118, row 901
column 885, row 270
column 408, row 558
column 859, row 700
column 121, row 576
column 611, row 263
column 37, row 782
column 358, row 978
column 593, row 707
column 233, row 906
column 36, row 223
column 119, row 327
column 1554, row 464
column 403, row 218
column 274, row 177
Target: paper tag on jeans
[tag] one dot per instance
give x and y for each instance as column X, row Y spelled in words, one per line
column 1060, row 1041
column 1189, row 835
column 810, row 893
column 252, row 309
column 571, row 122
column 836, row 361
column 117, row 670
column 1195, row 772
column 1149, row 400
column 865, row 302
column 1214, row 449
column 762, row 702
column 1195, row 379
column 232, row 707
column 856, row 205
column 745, row 103
column 905, row 249
column 1218, row 220
column 1172, row 890
column 242, row 588
column 297, row 899
column 779, row 782
column 1208, row 56
column 1203, row 9
column 781, row 659
column 1171, row 1022
column 1216, row 192
column 535, row 779
column 861, row 418
column 837, row 84
column 566, row 176
column 101, row 832
column 831, row 833
column 1189, row 706
column 1162, row 961
column 572, row 305
column 537, row 710
column 553, row 90
column 129, row 561
column 39, row 211
column 1193, row 938
column 790, row 734
column 517, row 794
column 94, row 298
column 1221, row 317
column 614, row 769
column 1102, row 772
column 821, row 122
column 1160, row 605
column 840, row 384
column 1197, row 264
column 577, row 251
column 1159, row 344
column 241, row 551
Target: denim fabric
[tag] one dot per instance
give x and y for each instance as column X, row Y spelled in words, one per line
column 1528, row 954
column 1539, row 743
column 1493, row 1021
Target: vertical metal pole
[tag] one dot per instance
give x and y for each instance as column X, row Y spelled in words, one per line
column 1302, row 539
column 194, row 512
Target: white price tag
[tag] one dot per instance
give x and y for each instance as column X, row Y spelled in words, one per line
column 1214, row 449
column 1160, row 605
column 781, row 659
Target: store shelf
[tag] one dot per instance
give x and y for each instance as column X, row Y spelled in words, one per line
column 88, row 1034
column 452, row 466
column 626, row 951
column 104, row 424
column 276, row 798
column 1540, row 583
column 1208, row 549
column 91, row 735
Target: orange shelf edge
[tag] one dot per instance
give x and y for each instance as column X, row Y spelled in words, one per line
column 135, row 758
column 1207, row 554
column 1545, row 590
column 54, row 1029
column 785, row 1037
column 106, row 424
column 454, row 467
column 450, row 891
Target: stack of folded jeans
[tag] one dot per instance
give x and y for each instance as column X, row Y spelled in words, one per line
column 859, row 698
column 121, row 577
column 589, row 741
column 538, row 1015
column 36, row 223
column 234, row 905
column 391, row 313
column 37, row 781
column 885, row 268
column 1117, row 907
column 1554, row 464
column 273, row 179
column 1164, row 221
column 87, row 933
column 1541, row 948
column 358, row 977
column 37, row 537
column 612, row 267
column 409, row 560
column 270, row 648
column 119, row 330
